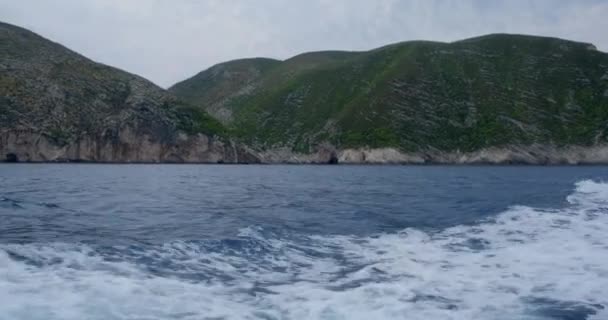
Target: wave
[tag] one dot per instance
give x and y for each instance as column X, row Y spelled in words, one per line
column 525, row 263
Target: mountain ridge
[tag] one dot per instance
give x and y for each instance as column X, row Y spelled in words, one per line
column 497, row 90
column 497, row 98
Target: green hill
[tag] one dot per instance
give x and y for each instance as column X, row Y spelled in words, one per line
column 487, row 92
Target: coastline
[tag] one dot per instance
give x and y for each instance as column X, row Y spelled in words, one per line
column 535, row 155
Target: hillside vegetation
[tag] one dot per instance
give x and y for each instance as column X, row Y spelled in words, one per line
column 467, row 95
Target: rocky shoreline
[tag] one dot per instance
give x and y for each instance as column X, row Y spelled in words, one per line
column 535, row 154
column 127, row 147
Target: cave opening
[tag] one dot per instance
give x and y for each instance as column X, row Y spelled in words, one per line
column 11, row 157
column 333, row 159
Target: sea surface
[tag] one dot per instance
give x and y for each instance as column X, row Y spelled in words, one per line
column 83, row 241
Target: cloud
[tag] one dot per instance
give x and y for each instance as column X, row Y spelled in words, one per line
column 167, row 41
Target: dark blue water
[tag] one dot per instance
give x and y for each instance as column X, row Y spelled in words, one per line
column 303, row 242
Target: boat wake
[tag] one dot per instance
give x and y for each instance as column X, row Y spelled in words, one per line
column 525, row 263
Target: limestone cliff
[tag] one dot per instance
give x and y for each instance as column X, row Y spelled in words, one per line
column 536, row 154
column 127, row 146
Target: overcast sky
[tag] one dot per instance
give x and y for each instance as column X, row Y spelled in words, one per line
column 169, row 40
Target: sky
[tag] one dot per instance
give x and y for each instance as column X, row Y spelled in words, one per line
column 168, row 41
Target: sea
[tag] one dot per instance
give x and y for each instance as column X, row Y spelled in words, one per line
column 94, row 241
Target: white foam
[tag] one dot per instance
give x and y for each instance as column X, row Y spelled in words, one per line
column 590, row 193
column 523, row 262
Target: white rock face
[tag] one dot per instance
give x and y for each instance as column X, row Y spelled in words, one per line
column 532, row 154
column 29, row 146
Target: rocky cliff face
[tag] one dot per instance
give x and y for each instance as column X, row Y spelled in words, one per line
column 56, row 105
column 536, row 154
column 127, row 146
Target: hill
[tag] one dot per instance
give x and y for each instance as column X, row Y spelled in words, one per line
column 495, row 98
column 56, row 105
